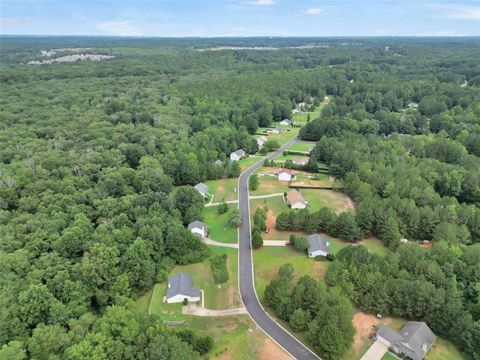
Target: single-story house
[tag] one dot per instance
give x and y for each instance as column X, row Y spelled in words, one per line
column 296, row 111
column 218, row 162
column 277, row 130
column 202, row 189
column 296, row 200
column 301, row 105
column 285, row 175
column 318, row 245
column 180, row 287
column 286, row 122
column 301, row 160
column 261, row 140
column 237, row 155
column 414, row 339
column 198, row 228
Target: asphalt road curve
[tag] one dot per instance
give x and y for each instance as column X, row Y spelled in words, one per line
column 246, row 281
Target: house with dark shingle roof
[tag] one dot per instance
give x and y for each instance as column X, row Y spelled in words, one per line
column 198, row 228
column 318, row 245
column 202, row 189
column 413, row 340
column 180, row 287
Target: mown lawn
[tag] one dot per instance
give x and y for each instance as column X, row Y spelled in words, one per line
column 269, row 185
column 289, row 133
column 218, row 227
column 375, row 245
column 302, row 146
column 275, row 204
column 444, row 350
column 268, row 259
column 223, row 189
column 388, row 356
column 302, row 117
column 247, row 162
column 335, row 200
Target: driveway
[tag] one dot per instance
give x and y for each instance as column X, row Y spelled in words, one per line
column 245, row 272
column 376, row 351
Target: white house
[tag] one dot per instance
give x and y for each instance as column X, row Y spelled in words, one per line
column 180, row 288
column 202, row 189
column 296, row 200
column 261, row 140
column 277, row 130
column 198, row 228
column 285, row 175
column 296, row 111
column 317, row 246
column 286, row 122
column 237, row 155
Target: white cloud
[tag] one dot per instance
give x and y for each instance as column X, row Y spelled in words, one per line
column 120, row 28
column 313, row 11
column 460, row 12
column 261, row 2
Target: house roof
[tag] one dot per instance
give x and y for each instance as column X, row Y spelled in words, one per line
column 239, row 152
column 262, row 138
column 197, row 224
column 413, row 340
column 279, row 129
column 318, row 242
column 294, row 197
column 218, row 162
column 288, row 171
column 287, row 121
column 201, row 187
column 181, row 284
column 301, row 160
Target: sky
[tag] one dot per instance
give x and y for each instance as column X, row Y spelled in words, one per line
column 211, row 18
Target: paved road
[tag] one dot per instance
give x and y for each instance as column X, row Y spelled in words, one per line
column 246, row 281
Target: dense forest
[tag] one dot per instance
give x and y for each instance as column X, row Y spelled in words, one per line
column 97, row 159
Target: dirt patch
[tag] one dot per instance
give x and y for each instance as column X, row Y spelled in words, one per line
column 427, row 245
column 364, row 327
column 270, row 350
column 350, row 204
column 226, row 356
column 270, row 220
column 220, row 188
column 320, row 268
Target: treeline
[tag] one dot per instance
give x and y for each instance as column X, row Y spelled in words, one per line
column 437, row 286
column 309, row 306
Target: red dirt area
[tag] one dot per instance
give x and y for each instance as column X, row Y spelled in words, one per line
column 350, row 204
column 270, row 350
column 270, row 220
column 364, row 327
column 427, row 245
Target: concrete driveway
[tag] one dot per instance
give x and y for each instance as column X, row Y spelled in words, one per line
column 376, row 351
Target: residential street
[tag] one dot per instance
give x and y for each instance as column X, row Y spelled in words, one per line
column 246, row 278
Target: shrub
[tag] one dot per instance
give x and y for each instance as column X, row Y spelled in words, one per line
column 257, row 241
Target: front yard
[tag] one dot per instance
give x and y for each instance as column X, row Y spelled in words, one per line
column 218, row 227
column 223, row 189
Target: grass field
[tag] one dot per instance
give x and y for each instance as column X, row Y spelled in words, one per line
column 268, row 260
column 223, row 189
column 216, row 296
column 280, row 138
column 218, row 227
column 247, row 162
column 444, row 350
column 302, row 146
column 275, row 204
column 269, row 185
column 335, row 200
column 302, row 117
column 375, row 245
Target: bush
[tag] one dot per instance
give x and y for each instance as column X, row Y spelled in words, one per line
column 235, row 218
column 259, row 219
column 218, row 264
column 257, row 241
column 222, row 208
column 301, row 243
column 185, row 301
column 253, row 182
